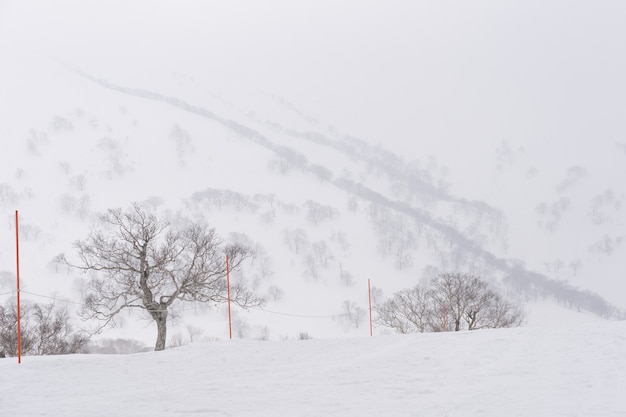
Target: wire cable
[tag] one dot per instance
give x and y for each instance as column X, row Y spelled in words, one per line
column 50, row 298
column 301, row 315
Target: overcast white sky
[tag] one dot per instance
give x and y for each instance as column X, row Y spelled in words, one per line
column 407, row 73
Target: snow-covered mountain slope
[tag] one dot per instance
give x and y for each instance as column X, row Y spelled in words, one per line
column 574, row 371
column 256, row 139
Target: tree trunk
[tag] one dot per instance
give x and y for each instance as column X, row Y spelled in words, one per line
column 457, row 324
column 160, row 317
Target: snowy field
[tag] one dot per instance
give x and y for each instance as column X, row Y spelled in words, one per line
column 532, row 371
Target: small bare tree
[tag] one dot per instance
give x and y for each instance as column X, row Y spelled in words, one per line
column 143, row 262
column 352, row 314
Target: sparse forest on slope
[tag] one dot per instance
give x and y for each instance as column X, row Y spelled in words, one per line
column 422, row 195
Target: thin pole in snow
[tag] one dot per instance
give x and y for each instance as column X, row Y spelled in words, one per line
column 17, row 273
column 230, row 322
column 369, row 295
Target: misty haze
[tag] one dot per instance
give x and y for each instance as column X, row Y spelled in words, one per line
column 398, row 184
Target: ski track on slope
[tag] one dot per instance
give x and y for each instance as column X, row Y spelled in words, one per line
column 514, row 372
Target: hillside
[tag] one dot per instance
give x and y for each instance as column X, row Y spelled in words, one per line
column 573, row 371
column 334, row 177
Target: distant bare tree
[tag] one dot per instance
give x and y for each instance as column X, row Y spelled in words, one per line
column 182, row 138
column 177, row 340
column 501, row 313
column 62, row 124
column 116, row 346
column 143, row 262
column 8, row 330
column 455, row 293
column 346, row 276
column 304, row 336
column 317, row 213
column 449, row 302
column 193, row 332
column 472, row 304
column 351, row 314
column 296, row 239
column 311, row 267
column 35, row 140
column 52, row 332
column 575, row 265
column 407, row 312
column 45, row 330
column 322, row 253
column 396, row 235
column 276, row 293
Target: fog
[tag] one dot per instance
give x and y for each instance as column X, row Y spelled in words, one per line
column 424, row 77
column 501, row 97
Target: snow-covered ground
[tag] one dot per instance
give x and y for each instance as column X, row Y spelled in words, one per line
column 533, row 371
column 527, row 125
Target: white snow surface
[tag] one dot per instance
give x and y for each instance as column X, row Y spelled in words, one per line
column 531, row 371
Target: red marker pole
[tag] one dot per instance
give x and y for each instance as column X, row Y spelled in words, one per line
column 369, row 294
column 17, row 272
column 230, row 322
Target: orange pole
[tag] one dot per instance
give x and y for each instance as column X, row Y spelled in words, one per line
column 230, row 322
column 369, row 294
column 17, row 269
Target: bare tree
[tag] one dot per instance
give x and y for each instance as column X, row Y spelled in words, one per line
column 311, row 266
column 317, row 213
column 472, row 304
column 8, row 330
column 352, row 314
column 117, row 346
column 456, row 293
column 45, row 330
column 53, row 333
column 407, row 312
column 502, row 313
column 193, row 332
column 296, row 239
column 276, row 293
column 322, row 253
column 143, row 262
column 448, row 302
